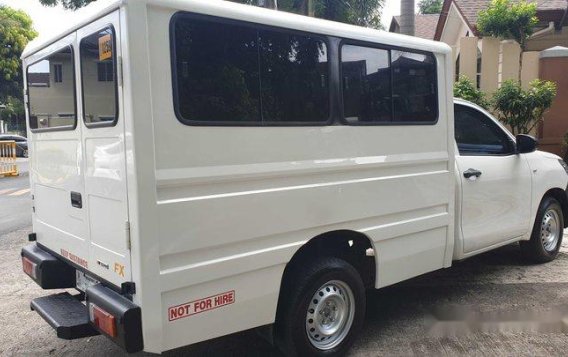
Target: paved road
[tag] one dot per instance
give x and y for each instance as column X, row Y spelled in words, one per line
column 490, row 305
column 15, row 203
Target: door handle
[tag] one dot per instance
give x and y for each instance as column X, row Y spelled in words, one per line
column 472, row 173
column 76, row 200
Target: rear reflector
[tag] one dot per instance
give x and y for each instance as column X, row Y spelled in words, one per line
column 103, row 320
column 29, row 267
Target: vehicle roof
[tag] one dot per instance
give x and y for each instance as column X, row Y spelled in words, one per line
column 228, row 9
column 81, row 18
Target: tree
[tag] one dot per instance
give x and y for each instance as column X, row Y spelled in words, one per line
column 430, row 6
column 523, row 109
column 357, row 12
column 68, row 4
column 506, row 19
column 465, row 89
column 15, row 32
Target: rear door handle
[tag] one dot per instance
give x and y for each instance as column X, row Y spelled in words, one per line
column 470, row 173
column 76, row 200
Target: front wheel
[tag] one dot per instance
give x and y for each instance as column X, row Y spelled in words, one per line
column 546, row 237
column 321, row 309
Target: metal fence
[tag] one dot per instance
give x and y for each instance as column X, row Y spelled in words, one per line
column 8, row 165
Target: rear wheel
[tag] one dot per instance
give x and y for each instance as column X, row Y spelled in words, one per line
column 321, row 309
column 546, row 237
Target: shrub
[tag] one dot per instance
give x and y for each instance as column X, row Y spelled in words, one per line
column 523, row 109
column 465, row 89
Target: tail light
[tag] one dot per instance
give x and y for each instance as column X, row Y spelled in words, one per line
column 103, row 320
column 29, row 267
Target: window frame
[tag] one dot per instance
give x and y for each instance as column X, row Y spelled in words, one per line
column 60, row 66
column 389, row 49
column 73, row 64
column 259, row 27
column 512, row 144
column 115, row 74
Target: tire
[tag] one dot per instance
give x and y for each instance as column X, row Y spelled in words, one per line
column 342, row 303
column 546, row 237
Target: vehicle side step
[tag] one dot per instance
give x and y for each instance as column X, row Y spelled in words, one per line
column 67, row 315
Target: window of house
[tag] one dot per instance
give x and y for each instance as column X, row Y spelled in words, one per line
column 58, row 73
column 45, row 102
column 98, row 78
column 235, row 74
column 388, row 86
column 105, row 71
column 477, row 134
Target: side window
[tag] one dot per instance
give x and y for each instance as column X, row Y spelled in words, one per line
column 217, row 72
column 388, row 86
column 415, row 96
column 366, row 84
column 477, row 134
column 231, row 73
column 98, row 78
column 51, row 91
column 294, row 78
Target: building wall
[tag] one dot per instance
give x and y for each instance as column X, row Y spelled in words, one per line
column 555, row 125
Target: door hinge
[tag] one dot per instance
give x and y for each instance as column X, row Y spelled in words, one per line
column 120, row 71
column 128, row 242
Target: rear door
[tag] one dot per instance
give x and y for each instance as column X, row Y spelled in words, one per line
column 59, row 220
column 103, row 147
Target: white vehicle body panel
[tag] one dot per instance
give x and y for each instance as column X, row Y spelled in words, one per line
column 219, row 209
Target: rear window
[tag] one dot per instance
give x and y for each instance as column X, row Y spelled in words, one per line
column 51, row 92
column 98, row 78
column 234, row 74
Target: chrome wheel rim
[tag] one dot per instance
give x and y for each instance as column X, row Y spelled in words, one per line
column 550, row 230
column 330, row 315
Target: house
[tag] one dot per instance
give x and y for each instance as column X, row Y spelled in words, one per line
column 425, row 25
column 489, row 61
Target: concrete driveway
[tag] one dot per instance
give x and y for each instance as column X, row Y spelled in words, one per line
column 490, row 305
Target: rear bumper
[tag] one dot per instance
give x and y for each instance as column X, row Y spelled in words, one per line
column 46, row 270
column 70, row 317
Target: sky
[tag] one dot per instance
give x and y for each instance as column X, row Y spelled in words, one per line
column 52, row 20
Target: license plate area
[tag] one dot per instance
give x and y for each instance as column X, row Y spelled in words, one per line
column 83, row 281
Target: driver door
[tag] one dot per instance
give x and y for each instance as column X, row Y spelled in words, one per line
column 495, row 181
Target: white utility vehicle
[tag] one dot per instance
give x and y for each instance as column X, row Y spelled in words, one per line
column 200, row 168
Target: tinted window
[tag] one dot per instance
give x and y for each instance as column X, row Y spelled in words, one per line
column 217, row 71
column 294, row 78
column 51, row 88
column 233, row 73
column 381, row 86
column 414, row 87
column 98, row 75
column 366, row 84
column 476, row 134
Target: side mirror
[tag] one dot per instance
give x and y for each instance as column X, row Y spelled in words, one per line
column 526, row 144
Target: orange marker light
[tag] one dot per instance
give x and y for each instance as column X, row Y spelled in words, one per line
column 103, row 320
column 29, row 267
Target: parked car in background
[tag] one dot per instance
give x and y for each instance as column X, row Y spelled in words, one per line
column 21, row 144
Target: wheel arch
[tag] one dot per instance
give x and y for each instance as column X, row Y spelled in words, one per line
column 354, row 247
column 560, row 195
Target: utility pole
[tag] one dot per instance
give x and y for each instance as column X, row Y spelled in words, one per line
column 307, row 8
column 407, row 17
column 269, row 4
